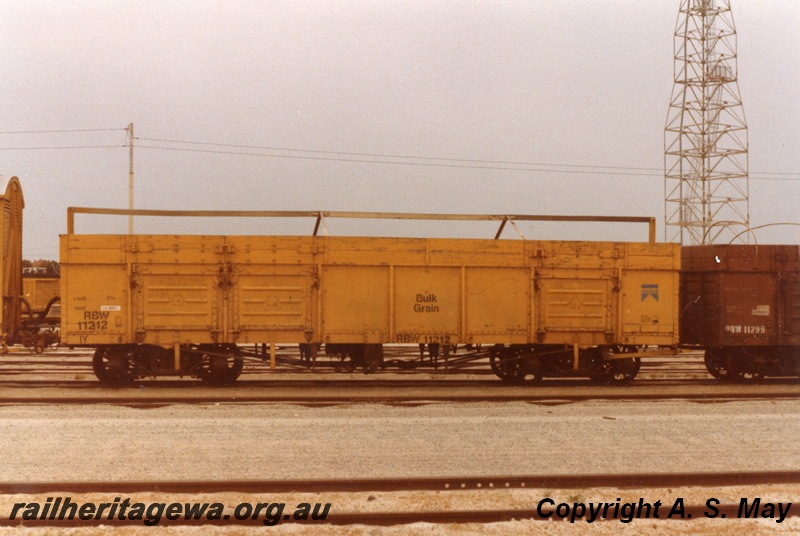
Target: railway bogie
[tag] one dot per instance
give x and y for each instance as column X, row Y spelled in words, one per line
column 607, row 365
column 120, row 364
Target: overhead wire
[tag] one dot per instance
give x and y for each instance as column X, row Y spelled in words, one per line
column 60, row 131
column 378, row 155
column 408, row 160
column 51, row 147
column 389, row 162
column 374, row 158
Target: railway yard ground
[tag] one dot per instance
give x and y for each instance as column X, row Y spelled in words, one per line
column 72, row 436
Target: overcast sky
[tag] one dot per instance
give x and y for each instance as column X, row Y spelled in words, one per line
column 570, row 92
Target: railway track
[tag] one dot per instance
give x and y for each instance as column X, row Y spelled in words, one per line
column 399, row 361
column 313, row 389
column 386, row 392
column 330, row 391
column 388, row 518
column 446, row 483
column 65, row 377
column 375, row 519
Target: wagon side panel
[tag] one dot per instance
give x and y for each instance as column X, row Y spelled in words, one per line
column 355, row 303
column 498, row 305
column 179, row 286
column 274, row 284
column 699, row 305
column 749, row 312
column 575, row 293
column 649, row 300
column 791, row 297
column 427, row 304
column 739, row 293
column 95, row 291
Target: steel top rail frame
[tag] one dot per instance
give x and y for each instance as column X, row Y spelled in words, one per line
column 321, row 215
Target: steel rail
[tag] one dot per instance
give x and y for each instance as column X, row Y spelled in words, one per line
column 389, row 518
column 383, row 519
column 139, row 395
column 350, row 485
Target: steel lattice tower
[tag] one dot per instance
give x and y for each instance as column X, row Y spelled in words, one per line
column 706, row 182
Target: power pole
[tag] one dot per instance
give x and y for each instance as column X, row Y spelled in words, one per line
column 706, row 183
column 130, row 177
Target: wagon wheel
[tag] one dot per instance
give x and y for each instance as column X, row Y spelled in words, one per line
column 743, row 369
column 114, row 365
column 221, row 365
column 515, row 364
column 619, row 372
column 54, row 341
column 27, row 339
column 600, row 368
column 717, row 364
column 625, row 370
column 748, row 376
column 495, row 356
column 504, row 369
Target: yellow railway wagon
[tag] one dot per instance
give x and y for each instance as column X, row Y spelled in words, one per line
column 156, row 304
column 11, row 206
column 39, row 292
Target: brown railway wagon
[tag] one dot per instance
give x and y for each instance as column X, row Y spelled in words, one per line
column 157, row 304
column 742, row 303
